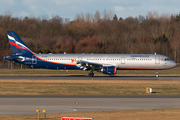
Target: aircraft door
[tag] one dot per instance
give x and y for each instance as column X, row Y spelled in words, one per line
column 34, row 60
column 157, row 59
column 122, row 60
column 79, row 58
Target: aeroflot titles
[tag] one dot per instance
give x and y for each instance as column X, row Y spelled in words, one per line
column 139, row 55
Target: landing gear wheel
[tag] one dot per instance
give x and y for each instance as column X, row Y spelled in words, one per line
column 91, row 74
column 157, row 75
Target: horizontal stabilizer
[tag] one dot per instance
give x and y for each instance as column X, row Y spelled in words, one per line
column 9, row 57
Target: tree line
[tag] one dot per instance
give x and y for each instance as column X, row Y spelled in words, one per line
column 96, row 33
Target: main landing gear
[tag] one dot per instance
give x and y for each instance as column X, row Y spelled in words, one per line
column 91, row 74
column 157, row 75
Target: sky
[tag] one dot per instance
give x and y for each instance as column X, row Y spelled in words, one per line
column 70, row 8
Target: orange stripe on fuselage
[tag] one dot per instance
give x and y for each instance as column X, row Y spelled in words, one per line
column 55, row 62
column 19, row 47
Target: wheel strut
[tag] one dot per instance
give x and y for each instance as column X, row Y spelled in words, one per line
column 91, row 74
column 157, row 75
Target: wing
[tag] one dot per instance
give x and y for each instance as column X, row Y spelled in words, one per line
column 86, row 65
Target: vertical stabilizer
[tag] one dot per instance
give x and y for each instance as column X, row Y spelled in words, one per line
column 18, row 47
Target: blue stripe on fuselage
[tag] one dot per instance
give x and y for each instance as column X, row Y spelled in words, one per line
column 49, row 65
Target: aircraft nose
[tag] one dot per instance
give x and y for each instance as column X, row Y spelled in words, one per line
column 174, row 64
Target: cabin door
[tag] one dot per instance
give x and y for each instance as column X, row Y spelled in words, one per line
column 79, row 58
column 157, row 59
column 34, row 60
column 122, row 60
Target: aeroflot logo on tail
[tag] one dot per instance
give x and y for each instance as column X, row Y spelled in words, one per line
column 139, row 55
column 12, row 41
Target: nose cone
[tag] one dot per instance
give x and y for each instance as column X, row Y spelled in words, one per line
column 174, row 64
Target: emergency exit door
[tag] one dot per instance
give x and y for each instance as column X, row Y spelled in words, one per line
column 157, row 59
column 122, row 60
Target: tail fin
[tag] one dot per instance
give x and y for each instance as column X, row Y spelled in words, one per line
column 17, row 45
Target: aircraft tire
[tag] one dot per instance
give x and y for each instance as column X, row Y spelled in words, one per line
column 91, row 74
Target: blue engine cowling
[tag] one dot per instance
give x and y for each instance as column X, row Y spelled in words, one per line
column 109, row 70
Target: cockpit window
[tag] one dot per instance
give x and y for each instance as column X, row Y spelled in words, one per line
column 166, row 59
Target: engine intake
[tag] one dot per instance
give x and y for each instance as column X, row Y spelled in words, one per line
column 109, row 70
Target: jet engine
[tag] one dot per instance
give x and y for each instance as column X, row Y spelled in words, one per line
column 109, row 70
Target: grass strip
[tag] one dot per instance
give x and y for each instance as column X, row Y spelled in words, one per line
column 88, row 87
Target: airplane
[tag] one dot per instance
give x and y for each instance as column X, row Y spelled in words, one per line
column 105, row 63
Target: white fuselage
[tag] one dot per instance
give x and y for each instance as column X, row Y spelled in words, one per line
column 121, row 61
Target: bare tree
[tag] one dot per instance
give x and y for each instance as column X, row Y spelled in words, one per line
column 97, row 17
column 175, row 45
column 88, row 17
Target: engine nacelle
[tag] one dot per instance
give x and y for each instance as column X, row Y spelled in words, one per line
column 109, row 70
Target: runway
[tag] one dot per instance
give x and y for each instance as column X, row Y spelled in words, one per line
column 25, row 105
column 83, row 77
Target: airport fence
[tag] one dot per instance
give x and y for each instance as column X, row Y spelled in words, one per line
column 11, row 65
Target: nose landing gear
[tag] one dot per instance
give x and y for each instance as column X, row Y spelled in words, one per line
column 157, row 75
